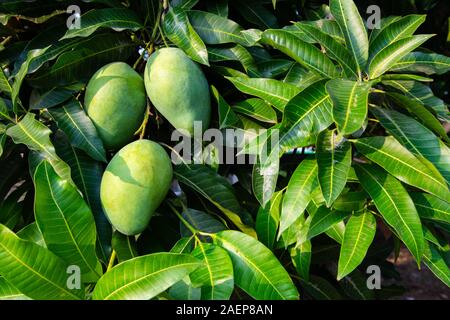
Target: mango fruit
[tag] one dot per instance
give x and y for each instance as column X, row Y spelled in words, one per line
column 178, row 89
column 134, row 184
column 115, row 101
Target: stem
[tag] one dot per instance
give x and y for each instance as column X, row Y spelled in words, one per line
column 111, row 260
column 144, row 124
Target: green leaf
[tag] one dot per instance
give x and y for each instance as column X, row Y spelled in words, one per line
column 359, row 234
column 318, row 223
column 400, row 29
column 301, row 77
column 59, row 206
column 422, row 114
column 321, row 289
column 214, row 29
column 273, row 91
column 84, row 59
column 11, row 209
column 301, row 258
column 200, row 221
column 124, row 246
column 36, row 136
column 436, row 263
column 267, row 220
column 390, row 55
column 352, row 26
column 5, row 86
column 404, row 77
column 256, row 14
column 87, row 175
column 118, row 19
column 9, row 292
column 431, row 208
column 307, row 114
column 333, row 48
column 428, row 63
column 179, row 30
column 334, row 158
column 274, row 68
column 34, row 270
column 257, row 109
column 183, row 4
column 45, row 99
column 421, row 93
column 402, row 164
column 350, row 99
column 256, row 270
column 216, row 189
column 219, row 7
column 32, row 233
column 72, row 119
column 416, row 138
column 216, row 275
column 395, row 205
column 298, row 193
column 336, row 232
column 304, row 53
column 227, row 117
column 235, row 53
column 350, row 201
column 144, row 277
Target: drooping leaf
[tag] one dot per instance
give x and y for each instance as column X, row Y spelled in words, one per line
column 416, row 138
column 301, row 258
column 216, row 189
column 431, row 208
column 59, row 206
column 267, row 220
column 298, row 193
column 359, row 234
column 118, row 19
column 179, row 30
column 428, row 63
column 34, row 270
column 350, row 100
column 334, row 158
column 256, row 270
column 72, row 119
column 436, row 263
column 395, row 205
column 216, row 275
column 302, row 52
column 352, row 26
column 144, row 277
column 399, row 162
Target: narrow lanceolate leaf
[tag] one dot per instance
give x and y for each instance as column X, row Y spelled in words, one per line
column 333, row 48
column 390, row 55
column 35, row 271
column 118, row 19
column 334, row 158
column 304, row 53
column 214, row 29
column 227, row 117
column 301, row 77
column 144, row 277
column 401, row 163
column 9, row 292
column 235, row 53
column 179, row 30
column 216, row 189
column 5, row 86
column 431, row 208
column 267, row 220
column 350, row 99
column 216, row 275
column 395, row 205
column 36, row 136
column 256, row 270
column 264, row 180
column 273, row 91
column 257, row 109
column 359, row 234
column 352, row 26
column 301, row 258
column 298, row 193
column 307, row 114
column 428, row 63
column 72, row 119
column 319, row 222
column 416, row 138
column 434, row 260
column 422, row 113
column 60, row 207
column 124, row 246
column 404, row 27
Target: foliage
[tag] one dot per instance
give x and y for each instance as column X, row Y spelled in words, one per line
column 362, row 163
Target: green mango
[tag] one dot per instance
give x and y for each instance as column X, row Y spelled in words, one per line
column 178, row 89
column 134, row 184
column 115, row 101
